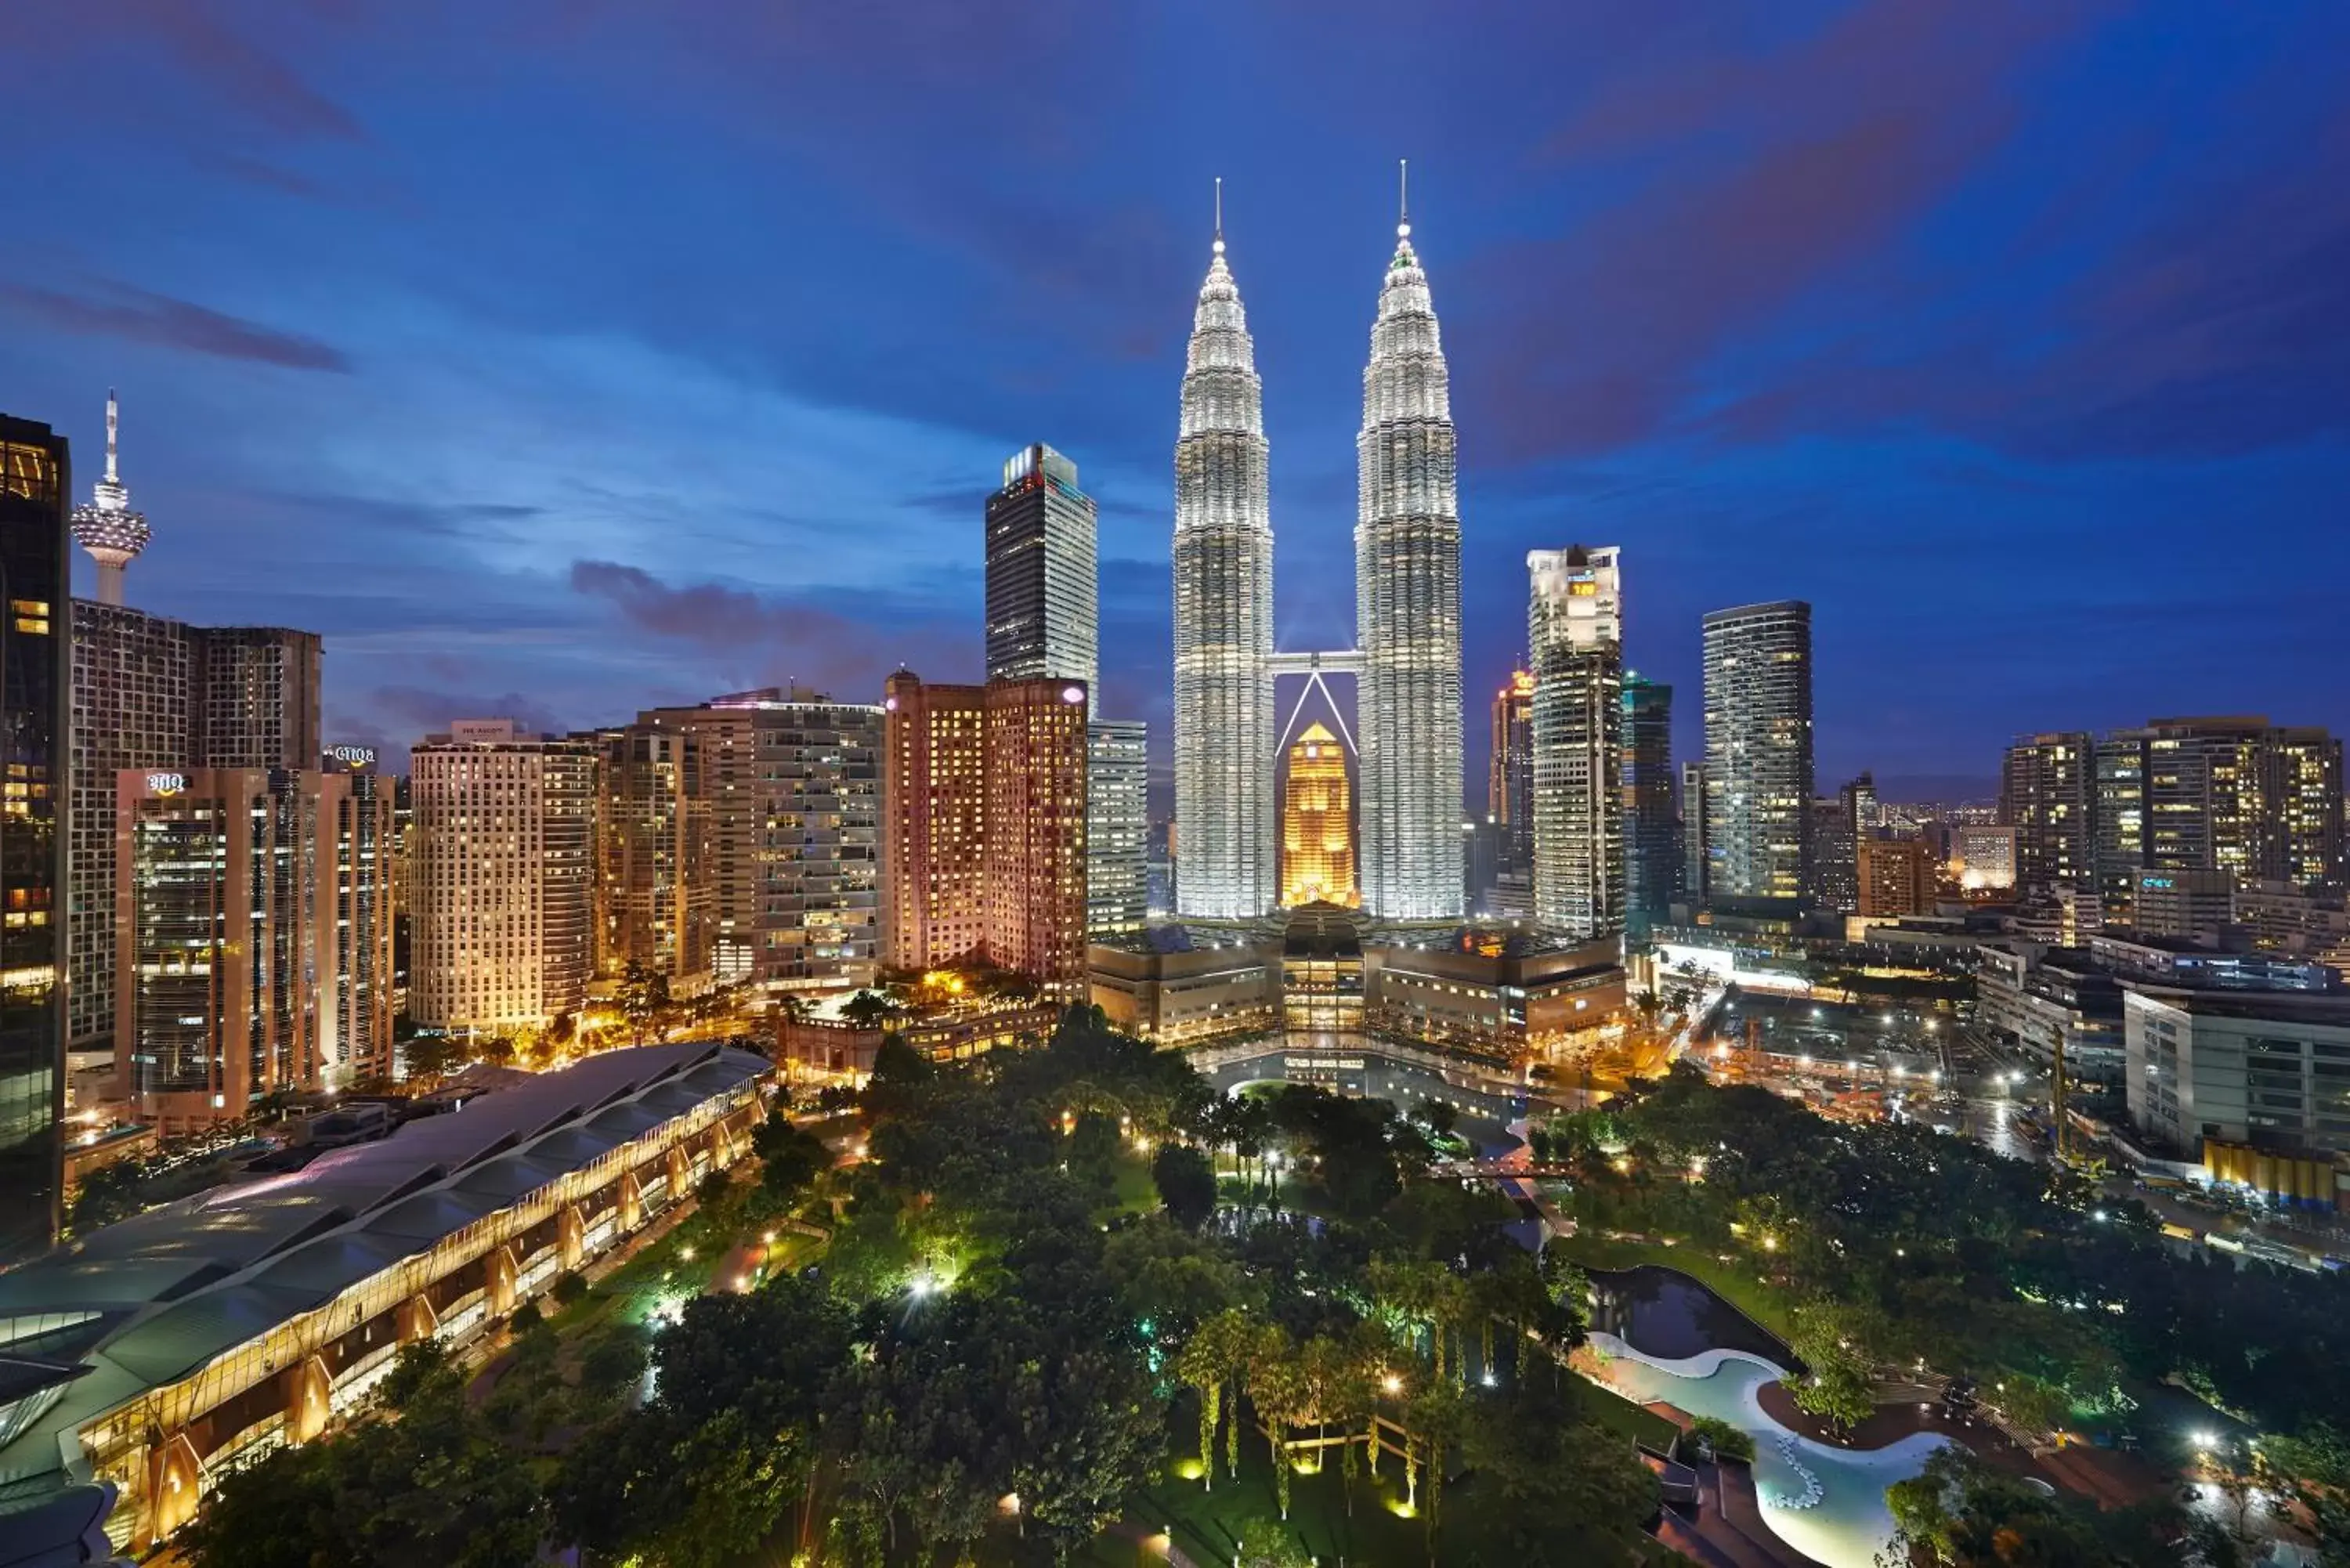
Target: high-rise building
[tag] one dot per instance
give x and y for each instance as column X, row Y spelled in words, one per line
column 225, row 894
column 1837, row 828
column 106, row 527
column 1758, row 751
column 1899, row 876
column 1407, row 609
column 1317, row 823
column 504, row 882
column 1510, row 773
column 655, row 900
column 984, row 825
column 1118, row 826
column 253, row 697
column 2048, row 793
column 1044, row 582
column 1223, row 616
column 35, row 478
column 2237, row 796
column 360, row 820
column 1574, row 629
column 1694, row 865
column 1653, row 867
column 1035, row 840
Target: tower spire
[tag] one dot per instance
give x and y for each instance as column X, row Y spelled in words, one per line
column 111, row 413
column 1220, row 215
column 1403, row 198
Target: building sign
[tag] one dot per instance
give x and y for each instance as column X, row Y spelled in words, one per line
column 354, row 756
column 166, row 783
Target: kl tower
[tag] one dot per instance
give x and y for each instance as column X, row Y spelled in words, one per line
column 106, row 527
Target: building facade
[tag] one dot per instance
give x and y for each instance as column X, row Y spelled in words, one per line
column 505, row 824
column 1225, row 742
column 359, row 815
column 2268, row 1071
column 1758, row 751
column 1575, row 628
column 1694, row 862
column 655, row 902
column 1407, row 609
column 1044, row 581
column 225, row 895
column 1317, row 823
column 984, row 805
column 1897, row 875
column 36, row 479
column 1118, row 826
column 1510, row 773
column 1653, row 866
column 2048, row 793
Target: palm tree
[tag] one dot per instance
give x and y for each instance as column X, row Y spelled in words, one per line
column 1277, row 1387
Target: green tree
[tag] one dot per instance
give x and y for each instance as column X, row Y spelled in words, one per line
column 1186, row 1184
column 791, row 1158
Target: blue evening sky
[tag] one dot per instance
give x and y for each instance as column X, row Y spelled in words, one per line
column 561, row 356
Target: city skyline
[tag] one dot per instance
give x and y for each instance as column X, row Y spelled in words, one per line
column 581, row 426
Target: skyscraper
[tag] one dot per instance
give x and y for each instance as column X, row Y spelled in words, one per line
column 984, row 825
column 1510, row 773
column 1896, row 875
column 1118, row 826
column 1694, row 864
column 34, row 480
column 1652, row 833
column 504, row 895
column 1407, row 609
column 1223, row 616
column 1758, row 751
column 360, row 822
column 1317, row 823
column 656, row 901
column 2048, row 793
column 149, row 692
column 1574, row 629
column 1838, row 825
column 1044, row 582
column 227, row 962
column 106, row 527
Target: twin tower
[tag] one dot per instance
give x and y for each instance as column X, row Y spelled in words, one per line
column 1407, row 658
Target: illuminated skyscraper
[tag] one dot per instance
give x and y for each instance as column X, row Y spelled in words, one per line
column 1317, row 827
column 1118, row 826
column 1574, row 629
column 503, row 896
column 1407, row 609
column 1758, row 751
column 1223, row 616
column 1510, row 775
column 2048, row 793
column 358, row 828
column 1044, row 582
column 34, row 477
column 984, row 825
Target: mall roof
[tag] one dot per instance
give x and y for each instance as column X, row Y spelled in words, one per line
column 148, row 1300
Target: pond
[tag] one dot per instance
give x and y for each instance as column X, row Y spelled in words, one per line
column 1826, row 1503
column 1663, row 1312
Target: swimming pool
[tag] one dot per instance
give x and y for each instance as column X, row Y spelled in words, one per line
column 1826, row 1503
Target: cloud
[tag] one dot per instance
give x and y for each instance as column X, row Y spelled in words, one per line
column 256, row 82
column 706, row 613
column 144, row 317
column 396, row 716
column 1770, row 176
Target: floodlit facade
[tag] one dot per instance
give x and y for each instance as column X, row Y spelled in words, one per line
column 1575, row 626
column 1224, row 744
column 1510, row 772
column 1118, row 826
column 1407, row 609
column 1044, row 582
column 1758, row 751
column 158, row 1354
column 984, row 825
column 1317, row 823
column 655, row 902
column 35, row 479
column 504, row 894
